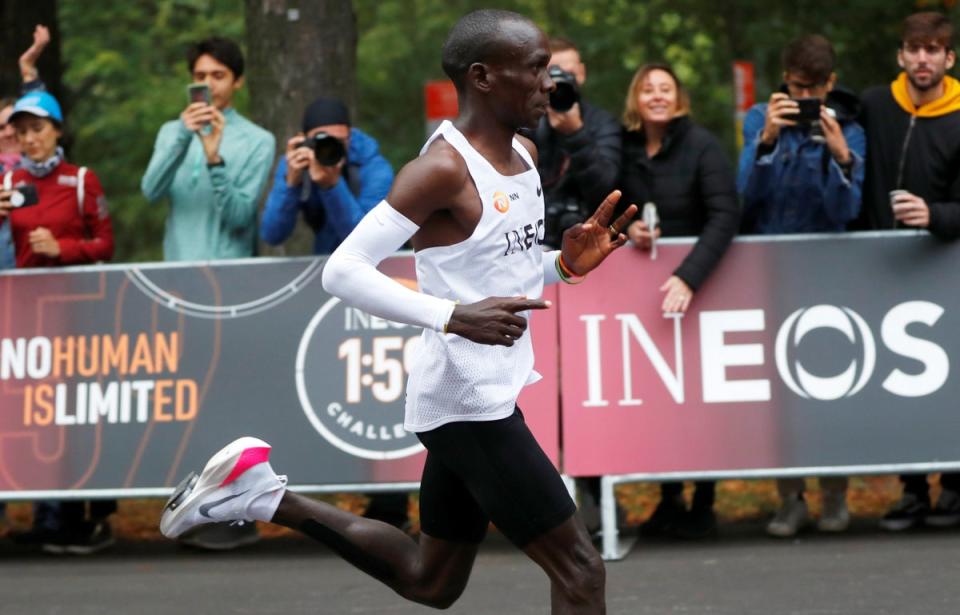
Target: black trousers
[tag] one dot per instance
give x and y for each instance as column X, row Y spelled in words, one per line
column 703, row 496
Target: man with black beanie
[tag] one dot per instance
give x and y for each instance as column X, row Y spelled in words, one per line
column 345, row 178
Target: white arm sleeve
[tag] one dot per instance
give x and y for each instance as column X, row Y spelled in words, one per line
column 351, row 273
column 550, row 273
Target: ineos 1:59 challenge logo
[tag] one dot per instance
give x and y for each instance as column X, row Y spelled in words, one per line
column 351, row 376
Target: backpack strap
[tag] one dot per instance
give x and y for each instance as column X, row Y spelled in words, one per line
column 81, row 193
column 8, row 180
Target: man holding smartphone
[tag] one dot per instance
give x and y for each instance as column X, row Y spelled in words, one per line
column 212, row 163
column 801, row 171
column 801, row 168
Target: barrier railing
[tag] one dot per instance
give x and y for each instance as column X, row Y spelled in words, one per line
column 801, row 355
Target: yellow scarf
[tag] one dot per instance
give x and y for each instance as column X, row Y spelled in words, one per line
column 948, row 103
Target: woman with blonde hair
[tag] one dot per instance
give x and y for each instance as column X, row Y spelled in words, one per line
column 681, row 168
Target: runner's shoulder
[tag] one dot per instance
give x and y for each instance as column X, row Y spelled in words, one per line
column 440, row 170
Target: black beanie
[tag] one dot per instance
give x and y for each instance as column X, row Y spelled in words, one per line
column 324, row 112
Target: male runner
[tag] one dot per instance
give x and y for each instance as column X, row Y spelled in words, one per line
column 472, row 205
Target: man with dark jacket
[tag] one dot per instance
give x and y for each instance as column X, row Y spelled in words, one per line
column 801, row 175
column 579, row 152
column 913, row 181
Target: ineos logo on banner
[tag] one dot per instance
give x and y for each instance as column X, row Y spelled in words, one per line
column 852, row 380
column 351, row 373
column 717, row 354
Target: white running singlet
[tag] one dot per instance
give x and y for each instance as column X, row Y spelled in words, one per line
column 454, row 379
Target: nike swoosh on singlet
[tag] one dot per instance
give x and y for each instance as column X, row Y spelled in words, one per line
column 206, row 508
column 539, row 191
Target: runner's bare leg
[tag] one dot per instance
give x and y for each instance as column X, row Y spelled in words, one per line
column 433, row 572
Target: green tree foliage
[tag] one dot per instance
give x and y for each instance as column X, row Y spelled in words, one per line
column 126, row 70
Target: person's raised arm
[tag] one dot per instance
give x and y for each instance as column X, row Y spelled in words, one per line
column 28, row 60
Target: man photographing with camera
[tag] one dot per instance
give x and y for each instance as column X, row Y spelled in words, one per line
column 579, row 146
column 332, row 172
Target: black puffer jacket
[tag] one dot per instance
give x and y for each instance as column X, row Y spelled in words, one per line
column 691, row 182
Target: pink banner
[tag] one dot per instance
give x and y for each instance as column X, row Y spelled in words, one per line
column 634, row 395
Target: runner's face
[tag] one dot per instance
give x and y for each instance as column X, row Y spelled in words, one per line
column 523, row 84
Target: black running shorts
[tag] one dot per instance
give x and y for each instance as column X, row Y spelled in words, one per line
column 482, row 471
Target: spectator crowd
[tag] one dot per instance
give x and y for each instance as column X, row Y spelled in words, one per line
column 816, row 158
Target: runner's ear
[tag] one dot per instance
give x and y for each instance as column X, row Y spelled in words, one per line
column 478, row 76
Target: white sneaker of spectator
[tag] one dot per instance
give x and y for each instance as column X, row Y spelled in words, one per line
column 834, row 516
column 791, row 517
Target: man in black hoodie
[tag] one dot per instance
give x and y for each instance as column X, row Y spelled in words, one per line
column 913, row 147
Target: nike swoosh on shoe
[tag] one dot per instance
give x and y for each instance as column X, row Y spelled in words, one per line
column 206, row 508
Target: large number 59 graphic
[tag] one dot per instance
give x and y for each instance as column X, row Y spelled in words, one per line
column 380, row 363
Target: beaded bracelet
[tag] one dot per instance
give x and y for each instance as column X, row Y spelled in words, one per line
column 568, row 276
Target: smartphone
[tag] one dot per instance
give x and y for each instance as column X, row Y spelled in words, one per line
column 809, row 109
column 24, row 196
column 198, row 92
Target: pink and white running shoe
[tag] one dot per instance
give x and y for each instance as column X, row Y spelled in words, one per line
column 237, row 484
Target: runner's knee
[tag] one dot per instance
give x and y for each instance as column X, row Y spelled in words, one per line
column 586, row 578
column 437, row 597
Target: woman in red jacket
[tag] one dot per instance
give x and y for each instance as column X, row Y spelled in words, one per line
column 58, row 216
column 69, row 224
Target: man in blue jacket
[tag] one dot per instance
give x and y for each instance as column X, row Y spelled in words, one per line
column 803, row 173
column 332, row 173
column 803, row 176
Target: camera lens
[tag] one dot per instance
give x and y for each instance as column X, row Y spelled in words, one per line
column 328, row 150
column 563, row 98
column 566, row 93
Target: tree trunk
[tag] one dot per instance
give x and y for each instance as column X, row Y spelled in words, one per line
column 298, row 50
column 17, row 21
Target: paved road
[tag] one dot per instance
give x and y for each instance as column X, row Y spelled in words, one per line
column 742, row 573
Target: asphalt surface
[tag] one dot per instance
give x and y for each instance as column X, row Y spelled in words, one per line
column 742, row 572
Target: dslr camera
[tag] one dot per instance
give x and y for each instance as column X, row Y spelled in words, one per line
column 567, row 93
column 327, row 149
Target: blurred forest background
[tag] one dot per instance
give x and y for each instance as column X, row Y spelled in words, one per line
column 119, row 66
